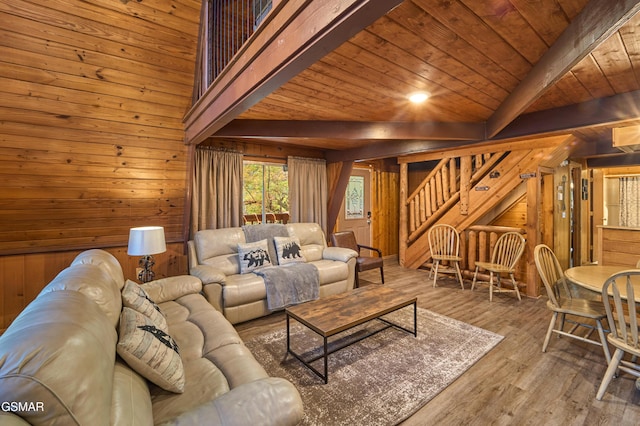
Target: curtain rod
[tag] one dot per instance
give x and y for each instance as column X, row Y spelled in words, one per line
column 217, row 148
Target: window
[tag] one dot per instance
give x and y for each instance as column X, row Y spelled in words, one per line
column 265, row 192
column 260, row 10
column 354, row 198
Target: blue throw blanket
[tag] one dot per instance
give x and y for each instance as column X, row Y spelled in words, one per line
column 290, row 284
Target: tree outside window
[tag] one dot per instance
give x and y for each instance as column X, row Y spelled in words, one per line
column 265, row 189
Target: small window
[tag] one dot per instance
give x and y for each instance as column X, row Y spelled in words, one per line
column 260, row 10
column 265, row 192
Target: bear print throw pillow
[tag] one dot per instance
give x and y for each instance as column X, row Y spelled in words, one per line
column 289, row 250
column 253, row 256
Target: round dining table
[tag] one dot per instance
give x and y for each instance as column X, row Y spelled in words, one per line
column 592, row 277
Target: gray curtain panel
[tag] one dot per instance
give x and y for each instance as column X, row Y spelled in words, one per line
column 308, row 190
column 217, row 190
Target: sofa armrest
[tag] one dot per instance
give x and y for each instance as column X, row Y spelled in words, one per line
column 269, row 401
column 339, row 253
column 208, row 274
column 171, row 288
column 213, row 294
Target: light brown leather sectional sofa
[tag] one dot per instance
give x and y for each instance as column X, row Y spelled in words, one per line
column 58, row 360
column 213, row 257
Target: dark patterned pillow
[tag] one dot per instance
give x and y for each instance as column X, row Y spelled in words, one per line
column 149, row 351
column 134, row 297
column 289, row 250
column 253, row 256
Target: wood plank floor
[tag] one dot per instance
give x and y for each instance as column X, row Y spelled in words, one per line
column 516, row 383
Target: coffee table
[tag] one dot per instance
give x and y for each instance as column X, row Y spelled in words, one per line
column 334, row 314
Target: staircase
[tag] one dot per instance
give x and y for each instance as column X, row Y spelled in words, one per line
column 459, row 191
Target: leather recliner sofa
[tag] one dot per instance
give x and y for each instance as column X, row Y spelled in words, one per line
column 213, row 257
column 58, row 360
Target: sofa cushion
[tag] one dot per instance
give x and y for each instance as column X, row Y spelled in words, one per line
column 150, row 351
column 219, row 248
column 253, row 256
column 242, row 289
column 204, row 329
column 288, row 250
column 66, row 363
column 204, row 383
column 207, row 342
column 331, row 271
column 312, row 239
column 134, row 297
column 131, row 401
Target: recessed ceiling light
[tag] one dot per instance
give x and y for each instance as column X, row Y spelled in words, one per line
column 418, row 97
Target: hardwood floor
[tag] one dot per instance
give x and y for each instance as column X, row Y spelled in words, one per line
column 516, row 383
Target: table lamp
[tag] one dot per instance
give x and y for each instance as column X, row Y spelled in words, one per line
column 146, row 241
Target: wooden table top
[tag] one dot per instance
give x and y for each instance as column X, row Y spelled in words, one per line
column 340, row 312
column 592, row 277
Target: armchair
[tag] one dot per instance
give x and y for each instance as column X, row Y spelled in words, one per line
column 347, row 239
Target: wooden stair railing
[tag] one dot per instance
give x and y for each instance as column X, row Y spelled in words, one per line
column 446, row 185
column 495, row 182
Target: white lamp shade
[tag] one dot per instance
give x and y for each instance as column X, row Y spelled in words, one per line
column 146, row 240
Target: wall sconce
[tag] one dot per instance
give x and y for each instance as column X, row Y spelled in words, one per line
column 494, row 174
column 146, row 241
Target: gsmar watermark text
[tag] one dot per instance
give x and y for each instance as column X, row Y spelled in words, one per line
column 21, row 406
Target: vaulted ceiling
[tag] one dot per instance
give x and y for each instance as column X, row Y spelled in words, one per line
column 494, row 69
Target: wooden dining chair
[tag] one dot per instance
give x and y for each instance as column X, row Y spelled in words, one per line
column 347, row 239
column 582, row 312
column 504, row 259
column 444, row 245
column 623, row 326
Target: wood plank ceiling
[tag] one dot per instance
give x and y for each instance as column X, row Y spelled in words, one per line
column 493, row 68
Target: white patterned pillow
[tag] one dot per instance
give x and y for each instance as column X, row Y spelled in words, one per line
column 134, row 297
column 289, row 250
column 151, row 352
column 253, row 256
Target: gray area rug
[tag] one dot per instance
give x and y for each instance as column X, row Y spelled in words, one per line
column 382, row 379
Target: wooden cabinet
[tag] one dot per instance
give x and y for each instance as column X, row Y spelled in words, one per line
column 618, row 246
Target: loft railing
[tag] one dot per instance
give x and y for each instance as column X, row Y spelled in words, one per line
column 226, row 27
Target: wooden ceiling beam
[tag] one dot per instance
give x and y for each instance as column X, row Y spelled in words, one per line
column 595, row 148
column 300, row 33
column 618, row 160
column 352, row 130
column 617, row 109
column 597, row 21
column 381, row 150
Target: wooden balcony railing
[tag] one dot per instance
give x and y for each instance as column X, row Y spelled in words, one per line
column 270, row 218
column 227, row 25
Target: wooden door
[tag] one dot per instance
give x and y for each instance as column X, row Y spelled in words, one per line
column 355, row 213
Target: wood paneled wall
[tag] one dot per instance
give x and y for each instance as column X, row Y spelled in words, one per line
column 92, row 96
column 385, row 187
